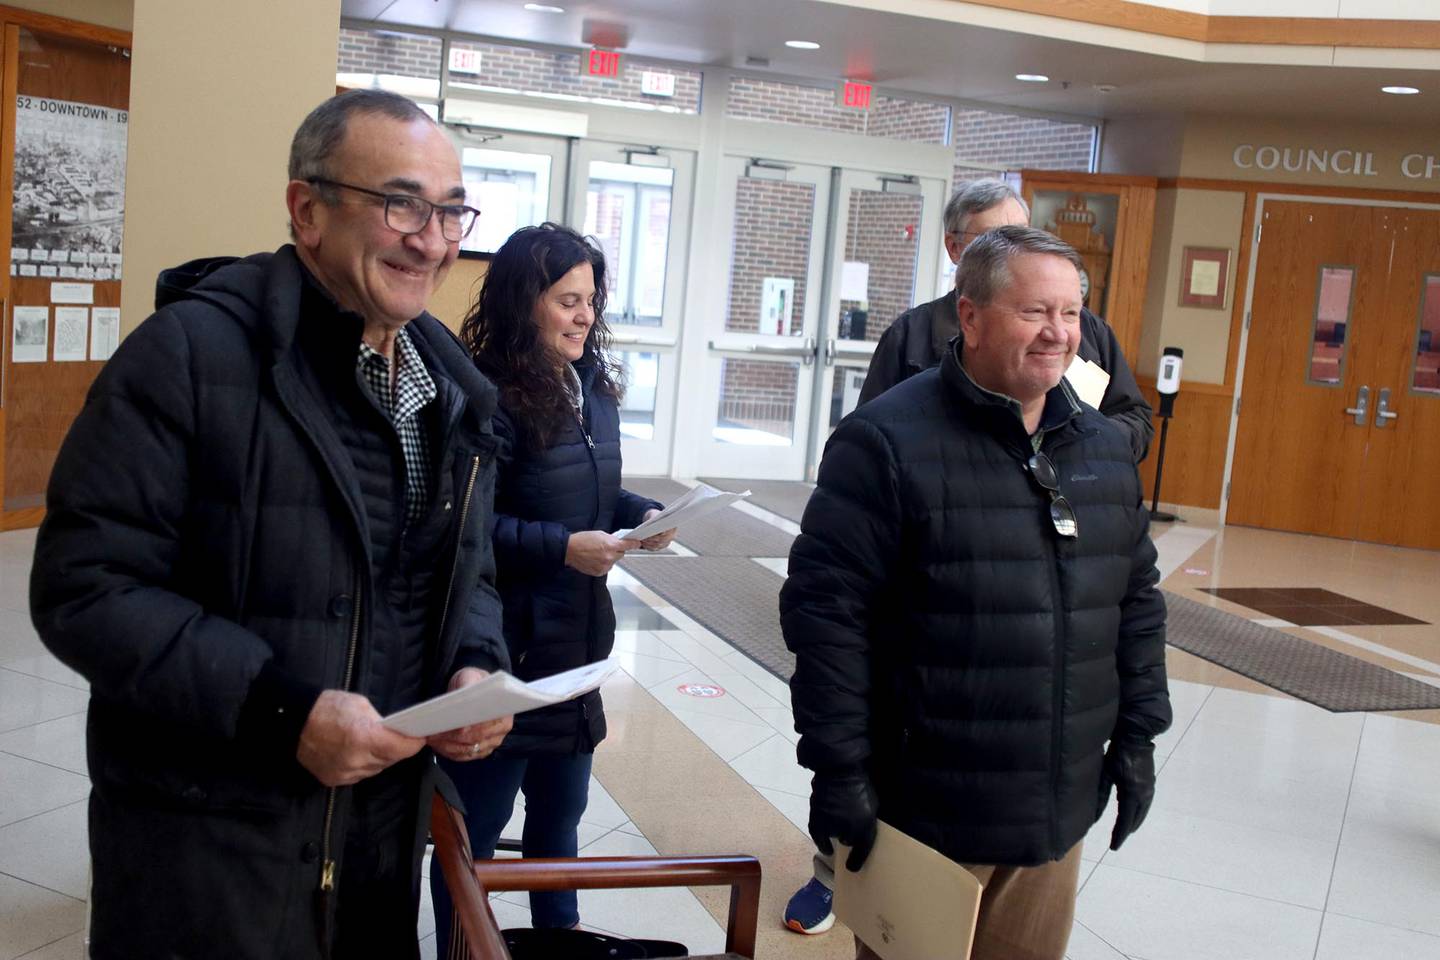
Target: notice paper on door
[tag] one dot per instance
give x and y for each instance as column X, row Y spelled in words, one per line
column 698, row 501
column 498, row 695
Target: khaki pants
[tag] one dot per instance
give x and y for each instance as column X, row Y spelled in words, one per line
column 1025, row 912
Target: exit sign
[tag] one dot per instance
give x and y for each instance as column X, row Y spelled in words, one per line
column 463, row 60
column 600, row 63
column 856, row 96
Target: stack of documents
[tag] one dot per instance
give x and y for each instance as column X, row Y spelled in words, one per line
column 908, row 902
column 498, row 695
column 698, row 501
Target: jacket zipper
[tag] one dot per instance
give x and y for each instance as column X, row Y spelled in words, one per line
column 1057, row 725
column 464, row 514
column 327, row 869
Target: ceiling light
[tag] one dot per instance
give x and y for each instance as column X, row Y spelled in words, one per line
column 543, row 8
column 1400, row 91
column 802, row 44
column 1032, row 77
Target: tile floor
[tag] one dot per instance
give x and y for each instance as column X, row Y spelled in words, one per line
column 1279, row 830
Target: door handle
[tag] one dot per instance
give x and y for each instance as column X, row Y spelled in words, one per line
column 830, row 351
column 1361, row 410
column 812, row 348
column 1383, row 413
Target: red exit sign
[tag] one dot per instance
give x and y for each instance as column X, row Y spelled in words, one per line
column 600, row 63
column 855, row 95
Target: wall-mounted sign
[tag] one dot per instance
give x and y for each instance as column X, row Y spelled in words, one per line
column 1342, row 161
column 464, row 61
column 656, row 84
column 856, row 96
column 1203, row 275
column 600, row 63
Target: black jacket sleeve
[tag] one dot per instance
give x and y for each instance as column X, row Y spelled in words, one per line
column 110, row 544
column 849, row 541
column 1123, row 401
column 630, row 510
column 524, row 547
column 1140, row 651
column 887, row 365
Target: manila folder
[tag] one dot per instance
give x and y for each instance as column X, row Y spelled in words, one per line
column 908, row 902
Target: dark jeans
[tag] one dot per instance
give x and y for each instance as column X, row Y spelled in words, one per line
column 556, row 789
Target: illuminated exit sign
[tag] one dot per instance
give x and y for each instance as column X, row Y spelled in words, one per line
column 856, row 96
column 600, row 63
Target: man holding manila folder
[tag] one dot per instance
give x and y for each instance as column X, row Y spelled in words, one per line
column 269, row 527
column 972, row 602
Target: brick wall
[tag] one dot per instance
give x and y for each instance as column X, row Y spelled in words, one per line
column 545, row 71
column 1013, row 142
column 403, row 55
column 917, row 121
column 772, row 239
column 883, row 232
column 759, row 394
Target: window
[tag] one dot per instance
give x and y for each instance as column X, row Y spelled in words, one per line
column 1334, row 296
column 1426, row 377
column 627, row 209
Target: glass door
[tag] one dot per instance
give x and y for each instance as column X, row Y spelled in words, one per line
column 885, row 231
column 636, row 202
column 514, row 180
column 762, row 340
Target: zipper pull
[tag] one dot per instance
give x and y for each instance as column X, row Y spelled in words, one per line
column 327, row 876
column 588, row 441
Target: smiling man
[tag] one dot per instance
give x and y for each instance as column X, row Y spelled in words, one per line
column 973, row 610
column 268, row 527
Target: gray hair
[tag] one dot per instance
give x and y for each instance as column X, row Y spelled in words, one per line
column 322, row 132
column 977, row 196
column 985, row 266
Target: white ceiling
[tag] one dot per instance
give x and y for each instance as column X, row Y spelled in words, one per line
column 926, row 55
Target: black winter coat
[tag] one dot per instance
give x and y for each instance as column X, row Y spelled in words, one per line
column 917, row 340
column 948, row 642
column 557, row 618
column 204, row 519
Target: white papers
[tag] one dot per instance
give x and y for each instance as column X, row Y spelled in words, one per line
column 104, row 332
column 1089, row 380
column 855, row 281
column 72, row 293
column 908, row 902
column 31, row 335
column 71, row 325
column 498, row 695
column 698, row 501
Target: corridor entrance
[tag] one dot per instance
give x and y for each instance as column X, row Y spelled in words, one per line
column 1340, row 406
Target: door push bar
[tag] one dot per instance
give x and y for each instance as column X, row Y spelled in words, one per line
column 1361, row 410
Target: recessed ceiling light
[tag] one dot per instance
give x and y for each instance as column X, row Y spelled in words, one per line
column 543, row 8
column 802, row 44
column 1400, row 91
column 1032, row 77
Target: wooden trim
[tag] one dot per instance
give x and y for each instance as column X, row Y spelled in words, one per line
column 22, row 519
column 1303, row 189
column 1140, row 17
column 9, row 75
column 71, row 28
column 1098, row 180
column 1242, row 283
column 1202, row 28
column 1209, row 389
column 1325, row 32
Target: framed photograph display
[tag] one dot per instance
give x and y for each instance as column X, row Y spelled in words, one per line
column 1204, row 276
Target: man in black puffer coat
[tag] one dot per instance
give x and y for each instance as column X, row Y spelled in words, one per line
column 268, row 527
column 973, row 607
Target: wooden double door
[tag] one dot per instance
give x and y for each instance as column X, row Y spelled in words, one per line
column 1339, row 425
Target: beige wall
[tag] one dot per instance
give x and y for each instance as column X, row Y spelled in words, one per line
column 217, row 89
column 1190, row 218
column 453, row 300
column 1211, row 142
column 116, row 14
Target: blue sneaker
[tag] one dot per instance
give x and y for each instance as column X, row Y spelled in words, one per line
column 809, row 910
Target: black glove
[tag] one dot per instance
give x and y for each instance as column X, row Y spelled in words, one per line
column 843, row 807
column 1130, row 766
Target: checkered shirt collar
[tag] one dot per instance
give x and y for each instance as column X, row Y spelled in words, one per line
column 414, row 387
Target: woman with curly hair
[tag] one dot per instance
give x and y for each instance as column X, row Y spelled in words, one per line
column 538, row 332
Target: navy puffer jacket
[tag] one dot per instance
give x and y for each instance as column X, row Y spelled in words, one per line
column 948, row 643
column 557, row 618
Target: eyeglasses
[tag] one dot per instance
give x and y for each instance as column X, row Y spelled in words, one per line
column 1062, row 515
column 408, row 214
